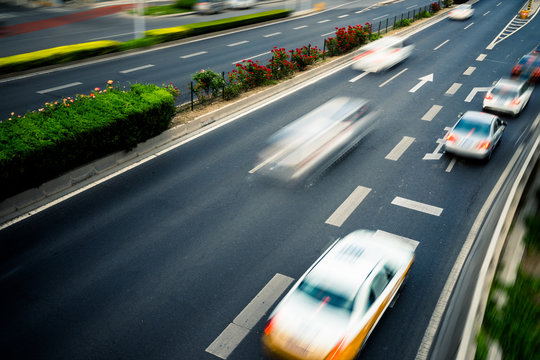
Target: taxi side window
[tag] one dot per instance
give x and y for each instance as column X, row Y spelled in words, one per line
column 378, row 285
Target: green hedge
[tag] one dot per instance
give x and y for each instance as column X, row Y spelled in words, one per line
column 67, row 53
column 43, row 144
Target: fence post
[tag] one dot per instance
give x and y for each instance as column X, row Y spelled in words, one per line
column 379, row 32
column 191, row 87
column 223, row 87
column 324, row 49
column 386, row 26
column 395, row 17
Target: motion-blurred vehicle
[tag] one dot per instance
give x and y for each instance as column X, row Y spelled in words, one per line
column 316, row 140
column 209, row 6
column 332, row 309
column 475, row 135
column 461, row 12
column 528, row 67
column 240, row 4
column 382, row 54
column 508, row 96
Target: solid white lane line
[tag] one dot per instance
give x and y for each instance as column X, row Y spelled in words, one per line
column 451, row 165
column 354, row 79
column 273, row 34
column 393, row 77
column 400, row 148
column 469, row 70
column 410, row 241
column 330, row 33
column 380, row 17
column 323, row 21
column 194, row 54
column 417, row 206
column 109, row 36
column 342, row 16
column 437, row 48
column 468, row 26
column 235, row 332
column 432, row 113
column 481, row 57
column 300, row 27
column 238, row 43
column 453, row 89
column 59, row 87
column 252, row 57
column 136, row 69
column 348, row 206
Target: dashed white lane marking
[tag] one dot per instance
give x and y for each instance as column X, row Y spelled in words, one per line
column 300, row 27
column 400, row 148
column 354, row 79
column 440, row 45
column 410, row 7
column 348, row 206
column 59, row 87
column 273, row 34
column 432, row 113
column 468, row 26
column 414, row 243
column 330, row 33
column 474, row 91
column 469, row 70
column 323, row 21
column 481, row 57
column 393, row 77
column 238, row 43
column 136, row 69
column 451, row 165
column 235, row 332
column 499, row 3
column 486, row 13
column 342, row 16
column 252, row 57
column 453, row 89
column 380, row 17
column 417, row 206
column 194, row 54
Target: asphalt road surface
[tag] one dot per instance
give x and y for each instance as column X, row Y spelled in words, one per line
column 157, row 262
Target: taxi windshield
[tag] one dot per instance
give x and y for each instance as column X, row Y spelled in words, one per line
column 326, row 295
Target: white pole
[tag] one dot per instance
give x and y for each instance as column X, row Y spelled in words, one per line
column 138, row 19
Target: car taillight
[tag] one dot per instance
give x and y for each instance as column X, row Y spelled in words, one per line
column 363, row 54
column 336, row 351
column 516, row 70
column 489, row 97
column 270, row 325
column 483, row 145
column 516, row 101
column 451, row 138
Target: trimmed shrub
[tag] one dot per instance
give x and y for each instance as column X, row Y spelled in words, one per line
column 43, row 144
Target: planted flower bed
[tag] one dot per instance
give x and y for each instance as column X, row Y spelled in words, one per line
column 43, row 144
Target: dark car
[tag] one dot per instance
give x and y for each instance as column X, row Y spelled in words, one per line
column 528, row 67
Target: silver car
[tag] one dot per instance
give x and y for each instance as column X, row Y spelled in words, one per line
column 508, row 96
column 332, row 309
column 475, row 135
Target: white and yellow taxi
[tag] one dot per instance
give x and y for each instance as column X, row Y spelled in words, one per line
column 332, row 309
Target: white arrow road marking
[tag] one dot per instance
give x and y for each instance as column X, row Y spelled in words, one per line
column 59, row 87
column 436, row 155
column 400, row 148
column 354, row 79
column 236, row 331
column 423, row 80
column 348, row 206
column 474, row 91
column 417, row 206
column 432, row 113
column 393, row 77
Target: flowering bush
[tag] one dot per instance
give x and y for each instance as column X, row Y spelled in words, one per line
column 280, row 64
column 435, row 7
column 173, row 90
column 348, row 38
column 249, row 74
column 208, row 83
column 305, row 56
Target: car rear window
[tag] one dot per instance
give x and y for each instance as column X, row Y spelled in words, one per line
column 505, row 91
column 472, row 127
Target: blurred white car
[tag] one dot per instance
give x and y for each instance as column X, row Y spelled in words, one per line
column 209, row 6
column 240, row 4
column 332, row 309
column 382, row 54
column 508, row 96
column 461, row 12
column 475, row 135
column 316, row 140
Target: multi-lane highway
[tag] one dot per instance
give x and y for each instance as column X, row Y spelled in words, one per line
column 166, row 260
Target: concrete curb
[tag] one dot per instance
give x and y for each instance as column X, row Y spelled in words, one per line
column 27, row 201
